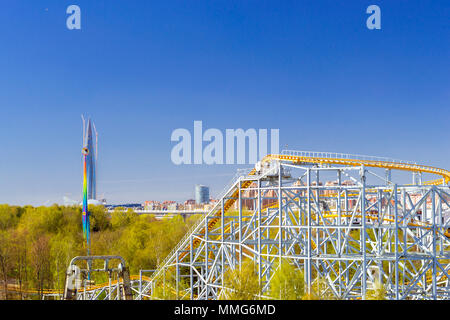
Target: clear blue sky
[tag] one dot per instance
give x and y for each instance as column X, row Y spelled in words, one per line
column 141, row 69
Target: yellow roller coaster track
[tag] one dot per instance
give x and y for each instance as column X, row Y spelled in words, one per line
column 325, row 160
column 15, row 288
column 445, row 174
column 295, row 159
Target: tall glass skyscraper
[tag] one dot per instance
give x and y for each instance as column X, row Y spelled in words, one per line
column 90, row 141
column 201, row 194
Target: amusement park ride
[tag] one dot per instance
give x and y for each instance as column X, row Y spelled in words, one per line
column 347, row 236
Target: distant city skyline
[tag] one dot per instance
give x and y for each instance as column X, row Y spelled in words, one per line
column 311, row 69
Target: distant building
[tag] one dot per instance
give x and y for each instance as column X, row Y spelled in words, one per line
column 189, row 204
column 249, row 198
column 201, row 194
column 90, row 144
column 169, row 205
column 210, row 205
column 152, row 205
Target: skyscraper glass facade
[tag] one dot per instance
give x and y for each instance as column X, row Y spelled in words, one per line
column 201, row 194
column 90, row 142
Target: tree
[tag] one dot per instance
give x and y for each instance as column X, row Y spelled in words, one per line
column 40, row 262
column 378, row 292
column 287, row 283
column 42, row 220
column 5, row 259
column 319, row 290
column 121, row 218
column 62, row 249
column 9, row 216
column 166, row 289
column 99, row 219
column 242, row 284
column 133, row 242
column 19, row 257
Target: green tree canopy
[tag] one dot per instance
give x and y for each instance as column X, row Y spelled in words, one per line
column 287, row 283
column 242, row 284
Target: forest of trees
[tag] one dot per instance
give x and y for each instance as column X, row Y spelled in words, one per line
column 37, row 243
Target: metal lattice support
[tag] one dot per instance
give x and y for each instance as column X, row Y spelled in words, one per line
column 348, row 235
column 78, row 286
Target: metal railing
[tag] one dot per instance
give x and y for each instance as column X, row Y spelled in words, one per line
column 336, row 155
column 381, row 162
column 239, row 173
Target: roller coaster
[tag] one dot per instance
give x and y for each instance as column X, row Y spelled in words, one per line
column 358, row 230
